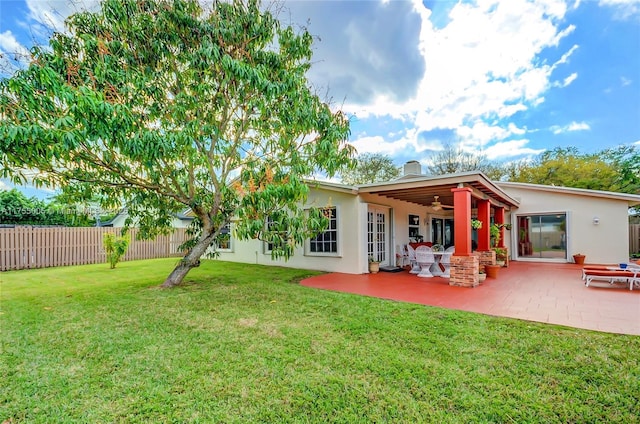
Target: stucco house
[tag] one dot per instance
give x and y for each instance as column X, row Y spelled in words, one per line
column 542, row 223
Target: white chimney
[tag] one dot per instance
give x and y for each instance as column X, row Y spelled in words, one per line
column 412, row 167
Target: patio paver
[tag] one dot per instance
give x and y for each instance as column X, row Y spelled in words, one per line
column 542, row 292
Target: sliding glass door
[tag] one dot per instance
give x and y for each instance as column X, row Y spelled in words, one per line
column 442, row 231
column 542, row 236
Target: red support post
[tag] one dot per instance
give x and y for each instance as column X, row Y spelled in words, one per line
column 484, row 234
column 462, row 220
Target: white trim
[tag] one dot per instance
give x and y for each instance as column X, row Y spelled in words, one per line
column 339, row 235
column 231, row 241
column 515, row 237
column 633, row 199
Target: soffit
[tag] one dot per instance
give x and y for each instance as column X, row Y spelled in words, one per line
column 422, row 190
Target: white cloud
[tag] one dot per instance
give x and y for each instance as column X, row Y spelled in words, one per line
column 623, row 9
column 481, row 68
column 52, row 13
column 625, row 81
column 491, row 69
column 510, row 149
column 480, row 134
column 568, row 80
column 5, row 186
column 573, row 126
column 404, row 147
column 13, row 55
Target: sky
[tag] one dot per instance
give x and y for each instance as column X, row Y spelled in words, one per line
column 506, row 79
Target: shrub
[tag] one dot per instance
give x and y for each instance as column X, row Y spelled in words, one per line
column 115, row 247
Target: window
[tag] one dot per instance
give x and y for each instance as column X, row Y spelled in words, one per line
column 273, row 225
column 223, row 241
column 326, row 242
column 414, row 226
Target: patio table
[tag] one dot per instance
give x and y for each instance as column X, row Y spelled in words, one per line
column 428, row 269
column 435, row 268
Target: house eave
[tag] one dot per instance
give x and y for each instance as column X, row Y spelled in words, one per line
column 423, row 187
column 631, row 199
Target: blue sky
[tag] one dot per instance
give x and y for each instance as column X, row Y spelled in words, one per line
column 506, row 78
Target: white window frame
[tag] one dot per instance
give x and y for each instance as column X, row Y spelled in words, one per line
column 338, row 241
column 231, row 241
column 265, row 244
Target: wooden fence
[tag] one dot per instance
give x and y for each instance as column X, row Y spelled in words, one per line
column 634, row 238
column 24, row 247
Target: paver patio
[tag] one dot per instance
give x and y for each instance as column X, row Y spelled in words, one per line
column 543, row 292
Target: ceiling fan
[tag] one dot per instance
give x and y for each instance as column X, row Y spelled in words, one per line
column 437, row 205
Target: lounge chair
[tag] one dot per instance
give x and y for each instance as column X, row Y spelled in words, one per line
column 631, row 276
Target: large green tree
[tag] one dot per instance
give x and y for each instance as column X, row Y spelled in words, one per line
column 161, row 104
column 370, row 168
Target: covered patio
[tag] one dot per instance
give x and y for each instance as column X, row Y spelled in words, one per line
column 463, row 196
column 551, row 293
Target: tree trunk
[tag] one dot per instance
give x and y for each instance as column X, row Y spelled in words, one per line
column 190, row 260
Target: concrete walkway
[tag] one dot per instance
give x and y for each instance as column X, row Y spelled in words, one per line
column 542, row 292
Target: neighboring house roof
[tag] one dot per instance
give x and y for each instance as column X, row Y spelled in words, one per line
column 631, row 199
column 185, row 215
column 420, row 189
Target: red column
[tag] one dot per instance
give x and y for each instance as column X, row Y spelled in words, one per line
column 499, row 219
column 484, row 235
column 462, row 220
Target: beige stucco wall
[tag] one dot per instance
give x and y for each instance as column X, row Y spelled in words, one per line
column 350, row 231
column 607, row 242
column 352, row 223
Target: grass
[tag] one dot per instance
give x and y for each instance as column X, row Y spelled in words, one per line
column 241, row 343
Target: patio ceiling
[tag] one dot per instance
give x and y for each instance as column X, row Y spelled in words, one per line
column 421, row 190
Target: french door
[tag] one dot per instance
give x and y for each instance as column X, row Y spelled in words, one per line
column 378, row 234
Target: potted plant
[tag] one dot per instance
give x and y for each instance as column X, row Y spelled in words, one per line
column 476, row 224
column 578, row 258
column 481, row 276
column 494, row 234
column 492, row 270
column 501, row 255
column 374, row 265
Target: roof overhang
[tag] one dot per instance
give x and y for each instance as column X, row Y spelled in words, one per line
column 421, row 189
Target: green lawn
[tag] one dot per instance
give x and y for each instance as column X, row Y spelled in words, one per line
column 245, row 343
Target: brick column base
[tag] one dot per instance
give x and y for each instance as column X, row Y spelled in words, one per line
column 464, row 271
column 485, row 257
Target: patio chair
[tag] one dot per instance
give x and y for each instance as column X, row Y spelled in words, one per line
column 425, row 258
column 402, row 256
column 445, row 261
column 411, row 253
